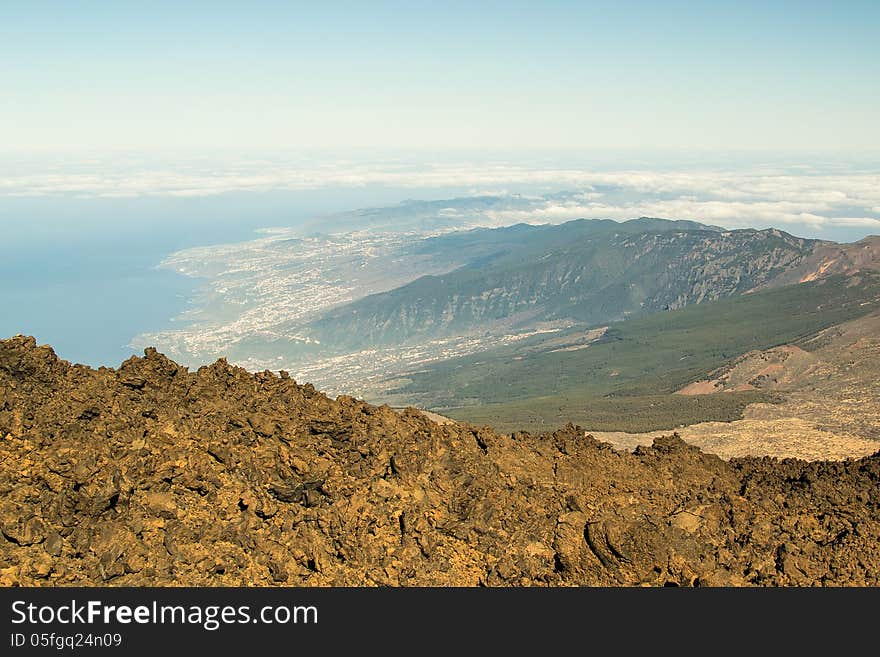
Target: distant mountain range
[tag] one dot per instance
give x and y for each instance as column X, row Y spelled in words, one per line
column 679, row 328
column 584, row 272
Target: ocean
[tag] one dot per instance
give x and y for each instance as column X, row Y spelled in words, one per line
column 81, row 273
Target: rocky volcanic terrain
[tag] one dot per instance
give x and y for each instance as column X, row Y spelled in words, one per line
column 155, row 475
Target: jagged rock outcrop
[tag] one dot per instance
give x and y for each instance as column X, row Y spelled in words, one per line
column 154, row 475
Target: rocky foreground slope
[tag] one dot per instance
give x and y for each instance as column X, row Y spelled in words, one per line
column 152, row 474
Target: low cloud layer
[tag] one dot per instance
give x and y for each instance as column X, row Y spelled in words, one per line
column 730, row 214
column 759, row 196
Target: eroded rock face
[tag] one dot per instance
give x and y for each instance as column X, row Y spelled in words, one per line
column 155, row 475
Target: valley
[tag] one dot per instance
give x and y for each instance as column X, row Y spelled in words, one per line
column 625, row 328
column 627, row 378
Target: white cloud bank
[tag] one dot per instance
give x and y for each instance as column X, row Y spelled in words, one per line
column 758, row 197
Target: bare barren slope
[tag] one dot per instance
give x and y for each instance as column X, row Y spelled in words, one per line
column 831, row 408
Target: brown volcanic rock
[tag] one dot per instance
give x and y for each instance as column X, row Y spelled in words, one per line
column 154, row 475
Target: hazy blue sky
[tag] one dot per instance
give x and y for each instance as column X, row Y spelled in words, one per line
column 405, row 75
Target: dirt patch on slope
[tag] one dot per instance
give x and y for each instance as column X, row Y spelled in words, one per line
column 778, row 368
column 787, row 437
column 831, row 406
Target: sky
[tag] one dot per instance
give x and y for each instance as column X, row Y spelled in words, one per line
column 260, row 76
column 129, row 130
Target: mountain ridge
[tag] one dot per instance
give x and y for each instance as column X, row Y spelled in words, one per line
column 584, row 271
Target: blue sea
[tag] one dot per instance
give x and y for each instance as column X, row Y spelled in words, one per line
column 81, row 274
